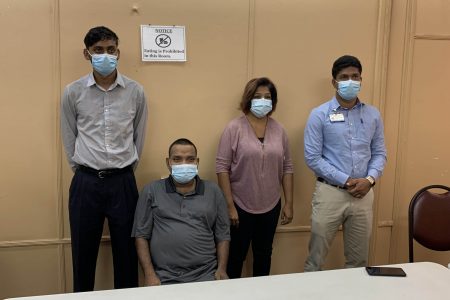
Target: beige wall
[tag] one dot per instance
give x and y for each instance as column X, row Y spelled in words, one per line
column 402, row 44
column 419, row 86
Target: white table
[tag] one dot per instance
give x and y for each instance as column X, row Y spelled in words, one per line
column 424, row 281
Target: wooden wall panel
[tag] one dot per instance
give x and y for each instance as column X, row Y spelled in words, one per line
column 423, row 123
column 291, row 249
column 432, row 17
column 382, row 246
column 425, row 149
column 27, row 271
column 28, row 182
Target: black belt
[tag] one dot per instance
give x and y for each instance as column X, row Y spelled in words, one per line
column 320, row 179
column 104, row 173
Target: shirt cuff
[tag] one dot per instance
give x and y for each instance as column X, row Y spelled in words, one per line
column 341, row 178
column 373, row 173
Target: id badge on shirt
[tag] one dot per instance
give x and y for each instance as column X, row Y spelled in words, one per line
column 337, row 117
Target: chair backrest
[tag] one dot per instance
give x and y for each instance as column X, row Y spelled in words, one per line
column 429, row 219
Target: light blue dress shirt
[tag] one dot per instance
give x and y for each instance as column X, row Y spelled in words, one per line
column 353, row 147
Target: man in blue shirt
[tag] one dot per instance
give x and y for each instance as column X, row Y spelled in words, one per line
column 344, row 146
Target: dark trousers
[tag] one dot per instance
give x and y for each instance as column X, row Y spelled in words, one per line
column 91, row 199
column 259, row 229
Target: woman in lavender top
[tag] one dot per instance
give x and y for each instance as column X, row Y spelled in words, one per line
column 253, row 163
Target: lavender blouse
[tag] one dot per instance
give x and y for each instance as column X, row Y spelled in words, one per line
column 256, row 168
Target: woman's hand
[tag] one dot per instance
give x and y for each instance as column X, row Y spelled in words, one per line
column 287, row 214
column 233, row 214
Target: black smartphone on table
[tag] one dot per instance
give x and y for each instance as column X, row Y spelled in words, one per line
column 385, row 271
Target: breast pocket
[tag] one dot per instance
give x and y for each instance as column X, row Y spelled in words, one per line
column 365, row 132
column 334, row 132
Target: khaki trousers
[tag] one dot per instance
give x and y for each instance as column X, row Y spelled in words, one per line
column 332, row 207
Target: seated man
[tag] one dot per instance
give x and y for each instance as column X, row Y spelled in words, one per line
column 181, row 224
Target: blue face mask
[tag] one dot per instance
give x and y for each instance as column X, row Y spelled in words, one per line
column 184, row 173
column 349, row 89
column 261, row 107
column 104, row 63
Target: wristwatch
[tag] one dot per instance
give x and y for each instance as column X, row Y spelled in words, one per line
column 371, row 180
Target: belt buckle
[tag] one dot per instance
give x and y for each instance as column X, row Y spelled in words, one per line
column 101, row 174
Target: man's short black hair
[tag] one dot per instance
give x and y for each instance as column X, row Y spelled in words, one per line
column 100, row 33
column 182, row 141
column 345, row 62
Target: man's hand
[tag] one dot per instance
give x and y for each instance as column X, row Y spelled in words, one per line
column 152, row 280
column 233, row 214
column 220, row 275
column 287, row 214
column 358, row 187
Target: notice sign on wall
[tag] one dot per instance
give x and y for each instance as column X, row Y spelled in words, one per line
column 163, row 43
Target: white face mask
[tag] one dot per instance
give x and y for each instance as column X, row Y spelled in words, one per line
column 261, row 107
column 349, row 89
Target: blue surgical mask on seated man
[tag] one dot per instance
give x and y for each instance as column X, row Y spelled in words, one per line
column 261, row 107
column 104, row 63
column 184, row 173
column 349, row 89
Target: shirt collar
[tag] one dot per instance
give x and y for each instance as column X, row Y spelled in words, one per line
column 199, row 186
column 334, row 104
column 118, row 81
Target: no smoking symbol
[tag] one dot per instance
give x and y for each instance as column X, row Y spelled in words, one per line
column 163, row 41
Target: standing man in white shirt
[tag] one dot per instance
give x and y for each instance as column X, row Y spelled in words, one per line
column 103, row 121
